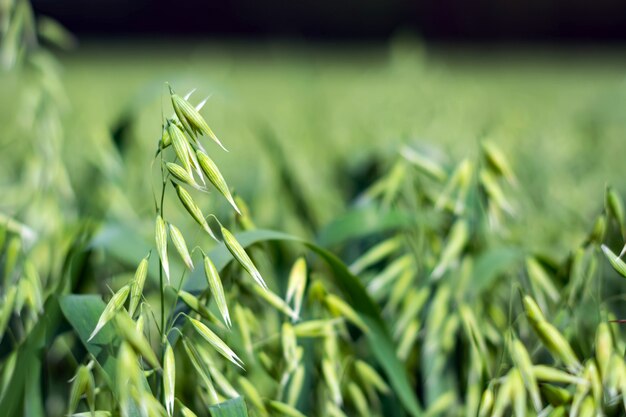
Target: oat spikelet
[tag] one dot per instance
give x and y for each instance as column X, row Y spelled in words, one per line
column 201, row 369
column 136, row 288
column 295, row 385
column 358, row 399
column 242, row 257
column 83, row 384
column 115, row 303
column 343, row 309
column 252, row 394
column 276, row 302
column 194, row 303
column 550, row 336
column 522, row 360
column 180, row 245
column 370, row 377
column 126, row 328
column 548, row 374
column 193, row 209
column 457, row 239
column 181, row 175
column 215, row 284
column 169, row 378
column 285, row 409
column 161, row 244
column 192, row 118
column 616, row 262
column 179, row 142
column 216, row 342
column 215, row 176
column 297, row 284
column 332, row 381
column 186, row 412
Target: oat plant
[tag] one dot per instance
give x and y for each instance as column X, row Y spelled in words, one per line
column 220, row 337
column 184, row 164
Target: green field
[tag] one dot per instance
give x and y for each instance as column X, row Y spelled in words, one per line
column 557, row 114
column 437, row 226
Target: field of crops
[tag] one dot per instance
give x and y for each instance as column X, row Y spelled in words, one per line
column 556, row 114
column 395, row 229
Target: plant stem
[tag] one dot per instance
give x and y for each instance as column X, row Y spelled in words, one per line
column 161, row 286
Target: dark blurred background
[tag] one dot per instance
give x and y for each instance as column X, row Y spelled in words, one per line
column 433, row 20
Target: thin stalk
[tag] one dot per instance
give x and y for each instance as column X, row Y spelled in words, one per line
column 161, row 287
column 172, row 319
column 159, row 393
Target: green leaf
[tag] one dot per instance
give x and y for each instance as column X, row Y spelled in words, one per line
column 83, row 312
column 235, row 407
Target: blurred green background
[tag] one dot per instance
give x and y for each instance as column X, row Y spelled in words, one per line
column 310, row 126
column 337, row 111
